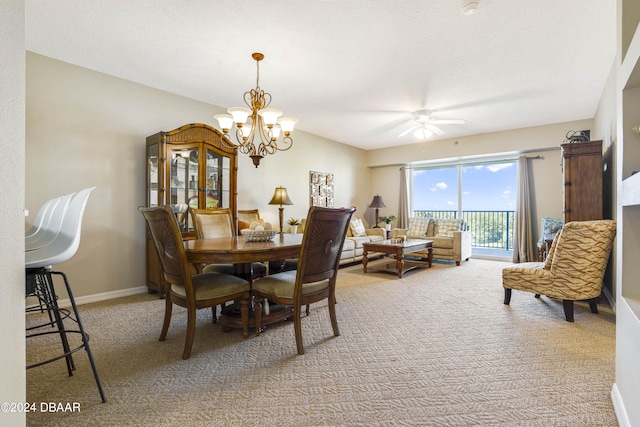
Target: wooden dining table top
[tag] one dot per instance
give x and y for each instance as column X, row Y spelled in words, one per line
column 237, row 250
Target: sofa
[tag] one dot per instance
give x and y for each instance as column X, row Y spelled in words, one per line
column 357, row 234
column 451, row 239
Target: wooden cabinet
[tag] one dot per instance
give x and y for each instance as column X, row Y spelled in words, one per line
column 582, row 176
column 191, row 167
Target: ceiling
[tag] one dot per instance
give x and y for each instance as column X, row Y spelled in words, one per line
column 350, row 70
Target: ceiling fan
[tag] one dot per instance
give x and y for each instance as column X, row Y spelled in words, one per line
column 424, row 124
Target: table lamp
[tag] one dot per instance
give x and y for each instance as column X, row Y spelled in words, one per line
column 280, row 197
column 377, row 203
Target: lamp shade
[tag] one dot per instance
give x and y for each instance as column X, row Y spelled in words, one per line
column 280, row 197
column 270, row 116
column 224, row 120
column 377, row 202
column 287, row 124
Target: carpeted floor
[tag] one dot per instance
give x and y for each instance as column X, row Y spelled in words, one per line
column 435, row 348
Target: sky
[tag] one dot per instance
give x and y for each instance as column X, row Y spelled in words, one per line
column 490, row 187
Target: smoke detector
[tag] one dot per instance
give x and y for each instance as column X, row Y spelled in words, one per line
column 469, row 7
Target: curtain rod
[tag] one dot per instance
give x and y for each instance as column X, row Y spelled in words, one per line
column 487, row 158
column 468, row 162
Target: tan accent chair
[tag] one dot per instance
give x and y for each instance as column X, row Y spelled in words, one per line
column 315, row 278
column 184, row 289
column 574, row 267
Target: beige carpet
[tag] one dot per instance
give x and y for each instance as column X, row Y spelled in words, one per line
column 435, row 348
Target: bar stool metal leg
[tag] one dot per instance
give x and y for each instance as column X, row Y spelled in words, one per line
column 85, row 337
column 44, row 282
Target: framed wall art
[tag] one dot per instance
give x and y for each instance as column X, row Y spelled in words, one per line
column 321, row 189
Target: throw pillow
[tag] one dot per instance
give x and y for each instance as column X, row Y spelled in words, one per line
column 446, row 227
column 418, row 227
column 357, row 228
column 549, row 226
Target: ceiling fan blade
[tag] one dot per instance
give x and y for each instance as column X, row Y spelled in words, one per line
column 446, row 121
column 435, row 129
column 411, row 129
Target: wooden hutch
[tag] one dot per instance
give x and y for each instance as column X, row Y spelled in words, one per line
column 193, row 166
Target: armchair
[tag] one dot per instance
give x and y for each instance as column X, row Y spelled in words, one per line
column 574, row 267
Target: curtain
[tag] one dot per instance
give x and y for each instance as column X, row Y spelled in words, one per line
column 523, row 240
column 404, row 205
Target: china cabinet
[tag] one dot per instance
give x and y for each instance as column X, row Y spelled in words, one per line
column 192, row 167
column 626, row 390
column 582, row 176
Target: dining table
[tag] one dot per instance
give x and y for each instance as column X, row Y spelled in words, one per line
column 242, row 253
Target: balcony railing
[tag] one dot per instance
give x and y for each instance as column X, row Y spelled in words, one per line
column 490, row 229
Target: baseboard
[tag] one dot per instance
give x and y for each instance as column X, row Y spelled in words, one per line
column 100, row 297
column 618, row 407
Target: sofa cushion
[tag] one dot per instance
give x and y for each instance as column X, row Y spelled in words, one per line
column 442, row 242
column 375, row 237
column 446, row 227
column 357, row 227
column 349, row 245
column 358, row 241
column 418, row 227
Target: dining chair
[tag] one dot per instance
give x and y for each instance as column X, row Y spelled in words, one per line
column 573, row 269
column 249, row 215
column 213, row 223
column 246, row 217
column 191, row 291
column 51, row 226
column 315, row 278
column 39, row 283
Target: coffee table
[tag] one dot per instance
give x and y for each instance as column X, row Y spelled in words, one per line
column 399, row 249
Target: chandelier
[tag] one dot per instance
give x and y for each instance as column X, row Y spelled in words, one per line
column 264, row 125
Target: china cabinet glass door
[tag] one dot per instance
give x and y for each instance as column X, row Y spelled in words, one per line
column 153, row 175
column 183, row 182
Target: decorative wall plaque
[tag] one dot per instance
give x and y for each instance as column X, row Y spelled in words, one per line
column 321, row 189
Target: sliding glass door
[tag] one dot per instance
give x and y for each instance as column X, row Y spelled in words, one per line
column 484, row 194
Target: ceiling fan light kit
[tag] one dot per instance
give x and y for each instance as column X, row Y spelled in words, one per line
column 469, row 7
column 424, row 125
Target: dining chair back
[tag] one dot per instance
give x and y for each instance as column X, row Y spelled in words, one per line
column 246, row 217
column 51, row 225
column 249, row 215
column 212, row 223
column 184, row 289
column 315, row 278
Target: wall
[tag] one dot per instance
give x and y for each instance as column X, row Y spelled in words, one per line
column 88, row 129
column 12, row 123
column 544, row 141
column 605, row 128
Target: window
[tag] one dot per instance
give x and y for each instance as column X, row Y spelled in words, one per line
column 484, row 194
